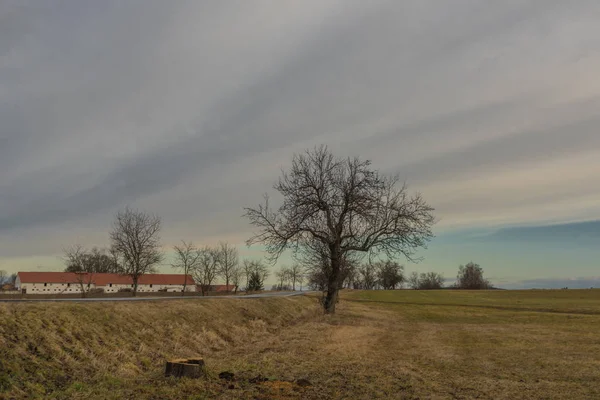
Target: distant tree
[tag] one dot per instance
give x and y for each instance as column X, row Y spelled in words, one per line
column 345, row 206
column 390, row 275
column 368, row 275
column 283, row 276
column 237, row 275
column 470, row 277
column 12, row 279
column 247, row 268
column 351, row 275
column 296, row 274
column 413, row 280
column 207, row 268
column 187, row 258
column 228, row 262
column 3, row 277
column 95, row 261
column 317, row 269
column 250, row 266
column 431, row 280
column 78, row 262
column 256, row 281
column 135, row 238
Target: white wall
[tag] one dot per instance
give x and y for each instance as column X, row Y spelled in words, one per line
column 53, row 288
column 64, row 288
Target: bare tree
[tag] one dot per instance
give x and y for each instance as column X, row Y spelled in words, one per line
column 207, row 269
column 431, row 281
column 135, row 239
column 283, row 276
column 228, row 262
column 318, row 269
column 470, row 277
column 236, row 277
column 77, row 262
column 413, row 280
column 390, row 274
column 250, row 266
column 3, row 276
column 296, row 272
column 347, row 207
column 187, row 257
column 95, row 261
column 247, row 268
column 368, row 274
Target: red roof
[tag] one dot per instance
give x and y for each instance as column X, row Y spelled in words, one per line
column 103, row 279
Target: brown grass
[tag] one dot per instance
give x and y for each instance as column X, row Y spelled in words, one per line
column 403, row 344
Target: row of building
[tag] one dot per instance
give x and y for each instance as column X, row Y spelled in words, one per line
column 74, row 282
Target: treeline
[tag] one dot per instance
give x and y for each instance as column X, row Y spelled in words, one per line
column 385, row 275
column 135, row 249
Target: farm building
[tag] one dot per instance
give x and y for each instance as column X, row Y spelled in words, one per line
column 73, row 282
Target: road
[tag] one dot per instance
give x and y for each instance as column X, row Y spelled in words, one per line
column 142, row 298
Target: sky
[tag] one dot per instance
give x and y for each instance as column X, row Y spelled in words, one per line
column 190, row 109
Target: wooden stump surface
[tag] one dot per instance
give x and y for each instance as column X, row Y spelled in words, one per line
column 185, row 367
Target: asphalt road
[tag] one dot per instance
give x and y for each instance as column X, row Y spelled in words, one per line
column 249, row 296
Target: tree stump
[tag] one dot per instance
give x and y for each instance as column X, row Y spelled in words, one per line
column 185, row 367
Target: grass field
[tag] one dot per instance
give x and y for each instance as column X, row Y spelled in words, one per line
column 380, row 344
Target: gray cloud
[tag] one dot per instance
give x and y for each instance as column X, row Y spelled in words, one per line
column 190, row 108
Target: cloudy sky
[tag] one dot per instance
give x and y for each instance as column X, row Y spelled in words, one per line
column 189, row 109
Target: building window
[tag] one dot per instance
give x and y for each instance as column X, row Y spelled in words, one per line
column 45, row 284
column 110, row 285
column 68, row 285
column 150, row 285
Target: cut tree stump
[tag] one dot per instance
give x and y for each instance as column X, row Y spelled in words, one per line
column 185, row 367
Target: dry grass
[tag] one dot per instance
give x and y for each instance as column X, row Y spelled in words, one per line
column 402, row 344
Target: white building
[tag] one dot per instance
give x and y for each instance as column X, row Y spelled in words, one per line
column 71, row 282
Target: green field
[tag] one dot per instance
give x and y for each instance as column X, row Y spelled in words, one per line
column 381, row 344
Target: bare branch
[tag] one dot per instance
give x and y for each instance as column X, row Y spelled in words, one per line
column 334, row 208
column 135, row 239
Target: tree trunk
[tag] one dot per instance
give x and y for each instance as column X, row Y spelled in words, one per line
column 135, row 286
column 332, row 286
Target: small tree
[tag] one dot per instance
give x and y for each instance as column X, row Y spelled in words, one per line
column 413, row 280
column 228, row 262
column 95, row 261
column 3, row 277
column 256, row 282
column 135, row 239
column 390, row 275
column 207, row 268
column 296, row 274
column 283, row 276
column 431, row 281
column 368, row 277
column 237, row 275
column 345, row 207
column 78, row 263
column 470, row 277
column 187, row 257
column 250, row 266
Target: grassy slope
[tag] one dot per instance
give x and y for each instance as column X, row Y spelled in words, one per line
column 117, row 350
column 401, row 344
